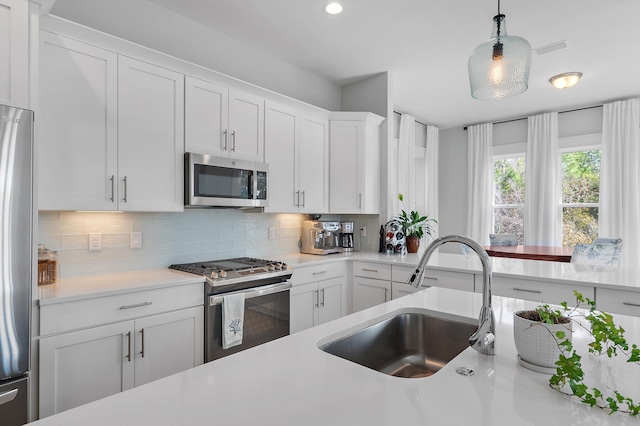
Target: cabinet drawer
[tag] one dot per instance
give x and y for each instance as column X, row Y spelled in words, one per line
column 448, row 279
column 74, row 315
column 618, row 301
column 537, row 291
column 379, row 271
column 307, row 274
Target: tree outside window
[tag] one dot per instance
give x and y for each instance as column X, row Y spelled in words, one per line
column 508, row 201
column 580, row 196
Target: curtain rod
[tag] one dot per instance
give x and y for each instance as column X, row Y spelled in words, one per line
column 425, row 125
column 525, row 118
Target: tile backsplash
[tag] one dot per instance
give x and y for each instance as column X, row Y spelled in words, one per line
column 189, row 236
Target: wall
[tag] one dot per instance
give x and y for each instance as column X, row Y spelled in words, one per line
column 453, row 161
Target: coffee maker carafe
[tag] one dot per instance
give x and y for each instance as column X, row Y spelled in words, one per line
column 346, row 236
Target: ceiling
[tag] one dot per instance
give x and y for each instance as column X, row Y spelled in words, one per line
column 424, row 44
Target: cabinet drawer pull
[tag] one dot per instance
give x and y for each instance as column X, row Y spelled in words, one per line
column 360, row 200
column 317, row 298
column 637, row 305
column 370, row 270
column 138, row 305
column 303, row 199
column 233, row 141
column 431, row 278
column 224, row 148
column 526, row 290
column 129, row 344
column 112, row 189
column 8, row 396
column 124, row 196
column 319, row 272
column 322, row 303
column 142, row 345
column 297, row 203
column 386, row 294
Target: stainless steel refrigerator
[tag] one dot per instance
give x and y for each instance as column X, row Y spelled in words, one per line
column 16, row 217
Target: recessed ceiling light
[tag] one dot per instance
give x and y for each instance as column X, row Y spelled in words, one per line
column 565, row 80
column 333, row 8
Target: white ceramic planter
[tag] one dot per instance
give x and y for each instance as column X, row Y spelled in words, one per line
column 536, row 342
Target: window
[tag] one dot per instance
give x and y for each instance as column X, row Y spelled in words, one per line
column 508, row 198
column 580, row 196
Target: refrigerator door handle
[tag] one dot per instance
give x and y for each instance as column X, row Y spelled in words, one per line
column 8, row 396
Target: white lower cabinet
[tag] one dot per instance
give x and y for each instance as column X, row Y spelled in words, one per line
column 618, row 301
column 78, row 366
column 368, row 292
column 537, row 291
column 318, row 295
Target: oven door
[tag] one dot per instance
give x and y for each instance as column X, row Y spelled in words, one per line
column 266, row 318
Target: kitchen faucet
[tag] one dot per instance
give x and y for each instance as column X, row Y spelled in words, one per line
column 482, row 340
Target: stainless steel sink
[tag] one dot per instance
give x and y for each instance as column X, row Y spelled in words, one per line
column 407, row 345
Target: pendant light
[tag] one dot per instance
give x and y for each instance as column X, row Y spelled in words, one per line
column 499, row 68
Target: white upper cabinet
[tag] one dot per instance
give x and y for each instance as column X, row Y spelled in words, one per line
column 14, row 53
column 223, row 122
column 111, row 132
column 296, row 149
column 78, row 147
column 354, row 163
column 150, row 137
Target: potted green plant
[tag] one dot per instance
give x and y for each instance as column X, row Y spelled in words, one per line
column 414, row 226
column 568, row 375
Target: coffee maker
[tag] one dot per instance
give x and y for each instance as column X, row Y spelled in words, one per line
column 320, row 237
column 346, row 236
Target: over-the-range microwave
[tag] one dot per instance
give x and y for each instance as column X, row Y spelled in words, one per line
column 223, row 182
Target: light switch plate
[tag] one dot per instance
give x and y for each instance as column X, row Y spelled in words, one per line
column 272, row 233
column 136, row 240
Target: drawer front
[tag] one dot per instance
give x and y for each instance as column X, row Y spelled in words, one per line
column 537, row 291
column 314, row 273
column 378, row 271
column 448, row 279
column 74, row 315
column 618, row 301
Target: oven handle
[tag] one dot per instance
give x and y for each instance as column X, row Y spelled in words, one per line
column 252, row 292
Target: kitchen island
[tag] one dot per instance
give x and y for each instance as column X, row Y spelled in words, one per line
column 291, row 382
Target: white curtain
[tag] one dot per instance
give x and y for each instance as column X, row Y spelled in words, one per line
column 431, row 178
column 543, row 216
column 480, row 183
column 620, row 176
column 406, row 163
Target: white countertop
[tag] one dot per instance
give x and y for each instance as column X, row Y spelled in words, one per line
column 291, row 382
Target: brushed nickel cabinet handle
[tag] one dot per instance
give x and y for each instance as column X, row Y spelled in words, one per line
column 124, row 196
column 224, row 148
column 142, row 345
column 386, row 294
column 233, row 139
column 112, row 179
column 360, row 200
column 137, row 305
column 317, row 299
column 319, row 272
column 637, row 305
column 527, row 290
column 129, row 344
column 431, row 278
column 297, row 203
column 322, row 303
column 303, row 199
column 370, row 270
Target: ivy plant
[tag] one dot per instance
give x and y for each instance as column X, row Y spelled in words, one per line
column 608, row 339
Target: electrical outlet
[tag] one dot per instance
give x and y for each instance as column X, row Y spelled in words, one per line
column 272, row 233
column 363, row 231
column 95, row 242
column 136, row 240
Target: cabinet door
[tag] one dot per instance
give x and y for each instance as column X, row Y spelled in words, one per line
column 77, row 151
column 345, row 179
column 83, row 366
column 313, row 165
column 304, row 306
column 402, row 289
column 14, row 53
column 150, row 137
column 168, row 343
column 281, row 153
column 331, row 304
column 246, row 126
column 368, row 292
column 206, row 117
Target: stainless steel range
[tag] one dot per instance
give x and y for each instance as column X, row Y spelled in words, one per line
column 266, row 311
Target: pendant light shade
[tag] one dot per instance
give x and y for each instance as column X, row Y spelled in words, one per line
column 499, row 68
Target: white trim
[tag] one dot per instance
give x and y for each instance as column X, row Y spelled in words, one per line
column 580, row 142
column 510, row 150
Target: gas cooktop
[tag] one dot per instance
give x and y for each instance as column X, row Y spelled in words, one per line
column 229, row 271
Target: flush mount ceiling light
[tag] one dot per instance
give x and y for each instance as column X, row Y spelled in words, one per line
column 565, row 80
column 333, row 8
column 499, row 68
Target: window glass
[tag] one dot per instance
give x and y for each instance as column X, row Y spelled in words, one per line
column 580, row 196
column 508, row 202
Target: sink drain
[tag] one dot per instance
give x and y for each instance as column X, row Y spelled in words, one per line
column 464, row 371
